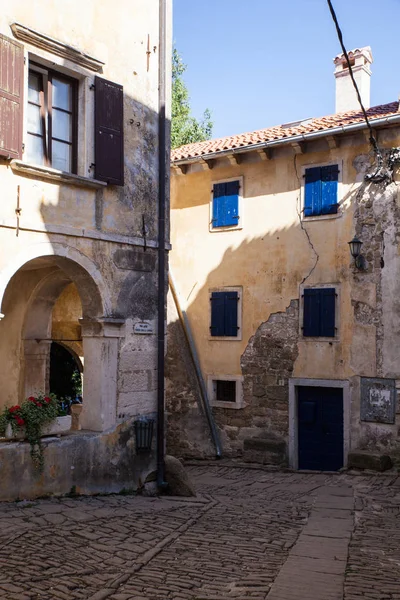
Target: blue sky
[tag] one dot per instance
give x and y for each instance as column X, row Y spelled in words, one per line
column 258, row 63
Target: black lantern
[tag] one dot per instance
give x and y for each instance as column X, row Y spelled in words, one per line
column 355, row 250
column 144, row 434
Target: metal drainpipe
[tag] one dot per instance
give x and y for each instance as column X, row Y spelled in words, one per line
column 203, row 390
column 162, row 157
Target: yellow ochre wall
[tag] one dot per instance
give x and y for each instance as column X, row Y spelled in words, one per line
column 269, row 256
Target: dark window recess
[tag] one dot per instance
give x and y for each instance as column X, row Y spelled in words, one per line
column 52, row 119
column 109, row 132
column 225, row 204
column 224, row 314
column 225, row 391
column 319, row 312
column 321, row 188
column 11, row 97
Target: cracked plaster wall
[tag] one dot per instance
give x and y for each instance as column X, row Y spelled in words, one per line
column 270, row 258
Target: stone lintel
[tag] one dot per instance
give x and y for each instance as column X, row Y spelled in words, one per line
column 105, row 327
column 45, row 42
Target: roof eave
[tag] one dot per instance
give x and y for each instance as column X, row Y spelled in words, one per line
column 304, row 137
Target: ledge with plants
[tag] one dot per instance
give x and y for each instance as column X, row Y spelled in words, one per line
column 36, row 417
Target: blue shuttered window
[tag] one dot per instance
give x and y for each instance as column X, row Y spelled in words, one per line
column 224, row 314
column 321, row 188
column 319, row 312
column 225, row 204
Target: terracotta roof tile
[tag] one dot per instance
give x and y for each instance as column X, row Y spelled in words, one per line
column 280, row 132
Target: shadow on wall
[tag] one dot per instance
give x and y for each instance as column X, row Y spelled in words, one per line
column 270, row 270
column 84, row 268
column 107, row 279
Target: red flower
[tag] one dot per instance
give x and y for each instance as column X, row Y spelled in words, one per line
column 14, row 409
column 47, row 399
column 39, row 404
column 31, row 399
column 20, row 422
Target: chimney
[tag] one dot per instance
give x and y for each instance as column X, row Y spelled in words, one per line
column 346, row 97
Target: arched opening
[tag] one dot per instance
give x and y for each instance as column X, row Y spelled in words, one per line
column 65, row 375
column 53, row 323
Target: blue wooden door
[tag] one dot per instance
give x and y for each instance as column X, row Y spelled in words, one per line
column 320, row 428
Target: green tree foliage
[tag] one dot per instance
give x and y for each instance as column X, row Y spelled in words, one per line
column 185, row 129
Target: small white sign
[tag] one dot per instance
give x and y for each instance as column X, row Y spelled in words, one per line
column 143, row 328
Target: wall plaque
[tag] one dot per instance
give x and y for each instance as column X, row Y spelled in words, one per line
column 143, row 328
column 378, row 400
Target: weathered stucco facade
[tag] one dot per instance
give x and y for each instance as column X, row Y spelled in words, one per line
column 78, row 254
column 273, row 254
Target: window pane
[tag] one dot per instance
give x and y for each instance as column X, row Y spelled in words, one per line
column 61, row 156
column 62, row 125
column 34, row 119
column 34, row 150
column 34, row 87
column 62, row 94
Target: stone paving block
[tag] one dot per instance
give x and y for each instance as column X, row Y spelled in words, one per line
column 316, row 565
column 335, row 502
column 293, row 583
column 321, row 547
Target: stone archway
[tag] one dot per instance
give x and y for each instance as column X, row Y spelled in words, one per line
column 28, row 300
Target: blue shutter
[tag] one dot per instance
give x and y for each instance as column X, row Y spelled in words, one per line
column 218, row 216
column 329, row 187
column 232, row 203
column 231, row 314
column 327, row 312
column 217, row 313
column 225, row 204
column 312, row 192
column 311, row 313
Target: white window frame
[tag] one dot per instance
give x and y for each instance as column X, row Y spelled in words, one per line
column 226, row 338
column 85, row 106
column 339, row 213
column 212, row 391
column 318, row 286
column 240, row 205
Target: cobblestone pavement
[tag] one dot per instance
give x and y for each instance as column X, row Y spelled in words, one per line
column 249, row 534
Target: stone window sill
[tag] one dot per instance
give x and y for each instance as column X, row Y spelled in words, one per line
column 337, row 215
column 229, row 405
column 49, row 174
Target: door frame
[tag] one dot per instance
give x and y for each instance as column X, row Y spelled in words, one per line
column 294, row 384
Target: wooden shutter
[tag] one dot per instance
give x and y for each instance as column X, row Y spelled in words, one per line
column 232, row 203
column 311, row 313
column 109, row 132
column 319, row 312
column 329, row 187
column 11, row 97
column 231, row 314
column 327, row 312
column 218, row 217
column 217, row 314
column 312, row 192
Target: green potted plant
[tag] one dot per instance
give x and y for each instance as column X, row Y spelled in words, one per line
column 35, row 417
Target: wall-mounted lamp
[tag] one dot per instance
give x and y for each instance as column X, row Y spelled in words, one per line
column 355, row 249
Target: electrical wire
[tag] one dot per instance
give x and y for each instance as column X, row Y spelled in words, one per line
column 340, row 36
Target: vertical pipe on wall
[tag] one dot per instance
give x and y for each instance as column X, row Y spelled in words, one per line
column 162, row 179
